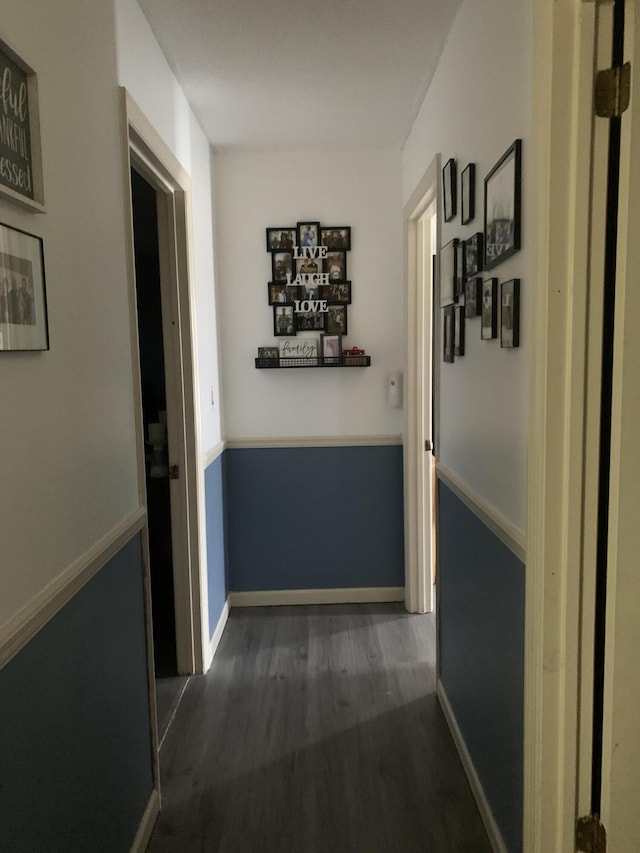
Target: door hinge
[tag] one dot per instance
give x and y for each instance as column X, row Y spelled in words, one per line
column 613, row 91
column 427, row 445
column 174, row 472
column 591, row 836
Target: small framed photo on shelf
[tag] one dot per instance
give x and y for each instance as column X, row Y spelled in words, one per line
column 472, row 297
column 331, row 349
column 336, row 293
column 510, row 313
column 284, row 321
column 458, row 330
column 335, row 266
column 460, row 270
column 468, row 194
column 336, row 320
column 448, row 276
column 280, row 238
column 502, row 202
column 281, row 265
column 280, row 293
column 23, row 301
column 311, row 321
column 449, row 184
column 336, row 237
column 448, row 333
column 489, row 321
column 308, row 234
column 269, row 352
column 474, row 254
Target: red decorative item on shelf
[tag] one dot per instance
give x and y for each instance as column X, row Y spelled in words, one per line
column 353, row 351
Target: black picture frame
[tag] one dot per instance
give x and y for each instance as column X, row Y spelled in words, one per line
column 284, row 328
column 510, row 313
column 335, row 265
column 281, row 293
column 502, row 207
column 336, row 293
column 458, row 331
column 448, row 334
column 447, row 258
column 311, row 321
column 336, row 320
column 24, row 324
column 468, row 194
column 489, row 313
column 336, row 237
column 279, row 239
column 472, row 297
column 272, row 353
column 308, row 234
column 474, row 254
column 449, row 189
column 281, row 265
column 460, row 270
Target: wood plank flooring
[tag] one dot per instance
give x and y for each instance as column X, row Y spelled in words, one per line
column 317, row 730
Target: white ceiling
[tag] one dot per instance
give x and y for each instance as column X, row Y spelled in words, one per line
column 337, row 74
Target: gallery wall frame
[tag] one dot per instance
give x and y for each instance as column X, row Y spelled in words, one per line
column 489, row 315
column 472, row 297
column 510, row 313
column 474, row 254
column 447, row 264
column 468, row 194
column 459, row 330
column 450, row 189
column 502, row 207
column 448, row 334
column 23, row 300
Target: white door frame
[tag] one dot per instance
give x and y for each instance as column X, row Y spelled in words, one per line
column 418, row 585
column 144, row 150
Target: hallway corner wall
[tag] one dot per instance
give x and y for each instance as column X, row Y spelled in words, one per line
column 218, row 586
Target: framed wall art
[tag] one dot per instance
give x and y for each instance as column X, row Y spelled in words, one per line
column 489, row 321
column 502, row 204
column 284, row 321
column 337, row 320
column 335, row 266
column 23, row 301
column 472, row 297
column 460, row 270
column 336, row 293
column 468, row 194
column 281, row 265
column 336, row 237
column 474, row 254
column 331, row 348
column 280, row 238
column 447, row 265
column 310, row 321
column 458, row 330
column 449, row 189
column 280, row 292
column 308, row 234
column 448, row 333
column 510, row 313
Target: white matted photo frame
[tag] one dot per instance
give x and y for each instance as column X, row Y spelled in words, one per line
column 23, row 301
column 502, row 207
column 331, row 349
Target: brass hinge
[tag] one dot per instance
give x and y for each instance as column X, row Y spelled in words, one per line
column 427, row 445
column 613, row 91
column 174, row 472
column 591, row 836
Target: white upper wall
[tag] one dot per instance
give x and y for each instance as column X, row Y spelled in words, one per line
column 259, row 190
column 479, row 101
column 144, row 71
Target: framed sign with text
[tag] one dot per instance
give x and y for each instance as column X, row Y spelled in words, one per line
column 20, row 154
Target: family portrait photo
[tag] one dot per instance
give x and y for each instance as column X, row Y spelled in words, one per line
column 23, row 309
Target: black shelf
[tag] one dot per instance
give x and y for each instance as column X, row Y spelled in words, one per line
column 288, row 363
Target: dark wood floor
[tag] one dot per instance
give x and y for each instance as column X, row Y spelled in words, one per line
column 317, row 730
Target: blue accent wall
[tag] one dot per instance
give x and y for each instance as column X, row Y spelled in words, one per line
column 216, row 540
column 75, row 742
column 481, row 601
column 315, row 517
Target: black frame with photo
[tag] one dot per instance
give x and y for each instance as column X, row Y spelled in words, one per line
column 503, row 195
column 510, row 318
column 24, row 324
column 332, row 327
column 468, row 194
column 274, row 262
column 449, row 189
column 314, row 226
column 461, row 273
column 344, row 244
column 336, row 292
column 472, row 297
column 334, row 359
column 326, row 264
column 447, row 258
column 272, row 353
column 474, row 254
column 291, row 229
column 448, row 333
column 458, row 330
column 291, row 290
column 289, row 312
column 489, row 314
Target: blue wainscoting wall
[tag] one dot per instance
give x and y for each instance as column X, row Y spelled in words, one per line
column 216, row 541
column 314, row 517
column 75, row 742
column 482, row 595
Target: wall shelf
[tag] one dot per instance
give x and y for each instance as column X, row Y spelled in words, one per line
column 341, row 361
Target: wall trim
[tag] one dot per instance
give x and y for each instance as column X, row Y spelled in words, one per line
column 143, row 835
column 21, row 628
column 211, row 455
column 217, row 635
column 348, row 595
column 314, row 441
column 493, row 831
column 506, row 531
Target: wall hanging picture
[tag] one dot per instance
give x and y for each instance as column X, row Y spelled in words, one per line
column 502, row 202
column 474, row 254
column 472, row 297
column 460, row 269
column 489, row 321
column 23, row 303
column 510, row 313
column 458, row 331
column 468, row 194
column 448, row 333
column 448, row 273
column 449, row 189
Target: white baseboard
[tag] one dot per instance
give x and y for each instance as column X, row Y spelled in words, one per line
column 355, row 595
column 217, row 636
column 495, row 836
column 143, row 835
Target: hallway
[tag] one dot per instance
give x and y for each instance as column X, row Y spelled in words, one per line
column 317, row 730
